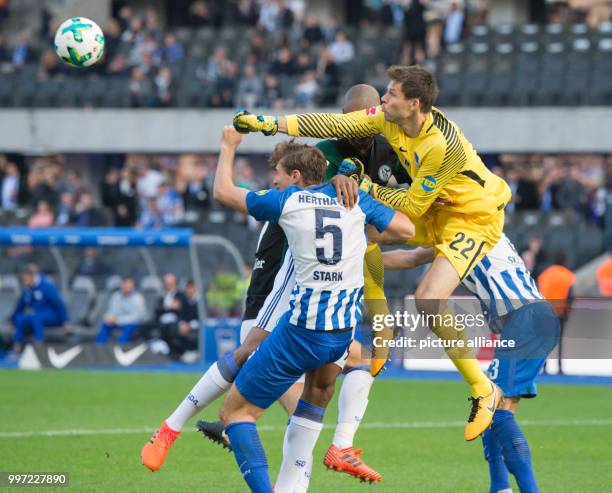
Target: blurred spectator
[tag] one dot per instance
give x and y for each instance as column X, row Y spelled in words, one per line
column 245, row 12
column 392, row 14
column 42, row 183
column 258, row 49
column 85, row 214
column 43, row 217
column 303, row 64
column 119, row 194
column 65, row 210
column 570, row 192
column 170, row 205
column 284, row 65
column 286, row 17
column 164, row 87
column 173, row 50
column 149, row 180
column 39, row 306
column 141, row 89
column 454, row 24
column 150, row 216
column 306, row 89
column 197, row 191
column 268, row 15
column 49, row 66
column 13, row 191
column 3, row 11
column 556, row 284
column 272, row 97
column 225, row 88
column 414, row 33
column 329, row 29
column 112, row 37
column 604, row 278
column 312, row 30
column 126, row 311
column 250, row 88
column 118, row 65
column 342, row 50
column 71, row 182
column 92, row 265
column 199, row 15
column 216, row 66
column 22, row 51
column 152, row 23
column 534, row 256
column 168, row 310
column 125, row 16
column 329, row 77
column 5, row 57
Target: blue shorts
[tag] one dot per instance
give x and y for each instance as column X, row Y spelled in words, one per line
column 534, row 328
column 286, row 354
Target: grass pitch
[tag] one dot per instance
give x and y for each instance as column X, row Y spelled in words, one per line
column 93, row 424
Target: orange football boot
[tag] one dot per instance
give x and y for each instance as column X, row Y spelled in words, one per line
column 347, row 460
column 155, row 450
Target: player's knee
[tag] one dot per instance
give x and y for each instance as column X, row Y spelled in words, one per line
column 426, row 300
column 319, row 395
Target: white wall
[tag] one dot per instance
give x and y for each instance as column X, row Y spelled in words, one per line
column 490, row 130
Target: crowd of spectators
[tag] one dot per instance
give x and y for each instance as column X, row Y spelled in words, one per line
column 150, row 191
column 289, row 57
column 142, row 191
column 172, row 323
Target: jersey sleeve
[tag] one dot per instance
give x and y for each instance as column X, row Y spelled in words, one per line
column 362, row 123
column 267, row 205
column 438, row 167
column 377, row 214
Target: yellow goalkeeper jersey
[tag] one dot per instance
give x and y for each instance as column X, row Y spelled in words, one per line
column 440, row 160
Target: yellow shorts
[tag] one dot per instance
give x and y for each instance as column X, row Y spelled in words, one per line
column 464, row 240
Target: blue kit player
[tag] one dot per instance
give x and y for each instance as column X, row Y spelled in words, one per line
column 327, row 243
column 519, row 313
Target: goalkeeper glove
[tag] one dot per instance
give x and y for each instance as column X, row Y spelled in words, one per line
column 366, row 184
column 245, row 122
column 351, row 167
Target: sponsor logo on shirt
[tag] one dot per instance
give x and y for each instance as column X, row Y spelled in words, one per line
column 384, row 173
column 372, row 110
column 262, row 192
column 429, row 183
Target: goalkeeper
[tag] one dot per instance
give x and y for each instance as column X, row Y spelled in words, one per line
column 443, row 165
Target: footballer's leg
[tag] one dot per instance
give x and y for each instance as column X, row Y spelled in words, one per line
column 214, row 383
column 304, row 429
column 352, row 404
column 431, row 296
column 376, row 302
column 535, row 330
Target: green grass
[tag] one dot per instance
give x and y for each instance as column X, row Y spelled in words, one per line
column 568, row 457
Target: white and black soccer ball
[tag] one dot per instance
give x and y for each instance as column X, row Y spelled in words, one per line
column 79, row 42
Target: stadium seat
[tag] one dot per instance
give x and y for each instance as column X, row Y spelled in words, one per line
column 6, row 91
column 501, row 76
column 552, row 75
column 81, row 297
column 184, row 35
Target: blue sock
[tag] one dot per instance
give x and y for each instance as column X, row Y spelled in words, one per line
column 228, row 367
column 498, row 471
column 515, row 450
column 250, row 456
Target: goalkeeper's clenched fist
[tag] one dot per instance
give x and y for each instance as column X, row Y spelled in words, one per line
column 246, row 122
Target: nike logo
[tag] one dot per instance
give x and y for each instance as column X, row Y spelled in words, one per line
column 402, row 149
column 126, row 358
column 61, row 360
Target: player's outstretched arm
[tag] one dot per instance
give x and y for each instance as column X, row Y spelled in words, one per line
column 400, row 230
column 363, row 123
column 407, row 259
column 224, row 189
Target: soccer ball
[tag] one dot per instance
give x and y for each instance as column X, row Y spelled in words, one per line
column 79, row 42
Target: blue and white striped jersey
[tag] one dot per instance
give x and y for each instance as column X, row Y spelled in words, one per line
column 501, row 282
column 327, row 243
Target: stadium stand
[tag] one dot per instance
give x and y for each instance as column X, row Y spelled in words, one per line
column 195, row 65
